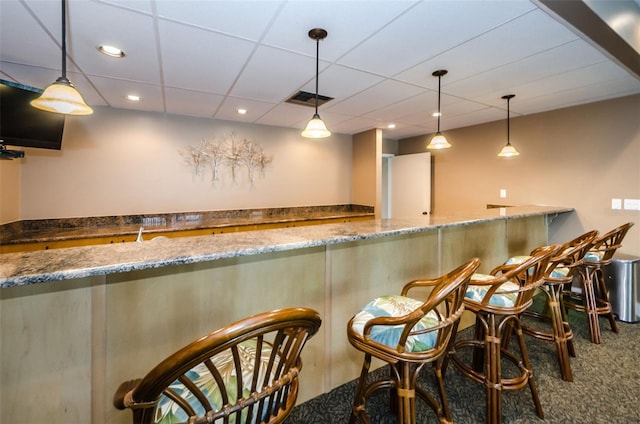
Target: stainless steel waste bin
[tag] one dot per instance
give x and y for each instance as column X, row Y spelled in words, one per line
column 622, row 276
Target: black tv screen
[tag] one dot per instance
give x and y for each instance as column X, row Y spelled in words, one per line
column 23, row 125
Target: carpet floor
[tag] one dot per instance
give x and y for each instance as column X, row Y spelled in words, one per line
column 606, row 386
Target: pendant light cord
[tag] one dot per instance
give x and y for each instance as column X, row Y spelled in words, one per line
column 508, row 122
column 64, row 40
column 317, row 70
column 439, row 78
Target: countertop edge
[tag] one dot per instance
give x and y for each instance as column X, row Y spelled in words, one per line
column 64, row 229
column 26, row 268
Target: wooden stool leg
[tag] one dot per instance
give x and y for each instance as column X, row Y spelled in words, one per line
column 406, row 396
column 493, row 373
column 479, row 354
column 443, row 394
column 527, row 364
column 559, row 332
column 565, row 321
column 591, row 307
column 358, row 401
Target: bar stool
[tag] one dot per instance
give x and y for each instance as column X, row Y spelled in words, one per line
column 560, row 271
column 594, row 297
column 407, row 334
column 498, row 300
column 247, row 371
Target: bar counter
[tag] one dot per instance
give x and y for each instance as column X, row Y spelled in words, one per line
column 76, row 322
column 43, row 234
column 51, row 265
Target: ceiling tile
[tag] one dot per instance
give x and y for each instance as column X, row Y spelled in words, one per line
column 212, row 64
column 244, row 19
column 272, row 75
column 488, row 87
column 207, row 58
column 393, row 49
column 115, row 92
column 376, row 97
column 340, row 82
column 136, row 39
column 287, row 115
column 192, row 103
column 348, row 23
column 42, row 47
column 255, row 109
column 517, row 39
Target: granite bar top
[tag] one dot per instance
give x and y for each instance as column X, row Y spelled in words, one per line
column 47, row 230
column 45, row 266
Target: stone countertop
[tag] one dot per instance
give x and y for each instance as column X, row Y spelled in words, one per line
column 48, row 230
column 25, row 268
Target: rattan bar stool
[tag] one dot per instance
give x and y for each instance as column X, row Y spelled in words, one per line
column 498, row 300
column 561, row 271
column 409, row 333
column 594, row 297
column 245, row 372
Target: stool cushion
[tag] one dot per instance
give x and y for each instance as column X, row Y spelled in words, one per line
column 558, row 272
column 168, row 411
column 594, row 255
column 389, row 335
column 505, row 295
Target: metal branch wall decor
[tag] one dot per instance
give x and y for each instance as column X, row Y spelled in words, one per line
column 229, row 153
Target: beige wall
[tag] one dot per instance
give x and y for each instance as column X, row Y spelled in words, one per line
column 9, row 191
column 118, row 162
column 579, row 157
column 367, row 169
column 122, row 162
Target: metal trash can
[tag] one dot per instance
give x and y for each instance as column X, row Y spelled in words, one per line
column 622, row 277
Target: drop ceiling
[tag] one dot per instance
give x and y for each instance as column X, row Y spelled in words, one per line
column 209, row 58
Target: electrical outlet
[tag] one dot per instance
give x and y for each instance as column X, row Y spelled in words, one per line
column 503, row 193
column 632, row 204
column 616, row 203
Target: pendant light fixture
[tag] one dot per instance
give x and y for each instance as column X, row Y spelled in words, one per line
column 316, row 128
column 438, row 141
column 508, row 151
column 62, row 96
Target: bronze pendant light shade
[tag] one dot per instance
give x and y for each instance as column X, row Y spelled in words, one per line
column 439, row 141
column 62, row 96
column 508, row 151
column 316, row 127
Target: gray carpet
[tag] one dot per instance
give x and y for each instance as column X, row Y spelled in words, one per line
column 606, row 386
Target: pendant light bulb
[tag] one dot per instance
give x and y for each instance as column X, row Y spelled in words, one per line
column 439, row 141
column 508, row 151
column 62, row 96
column 316, row 127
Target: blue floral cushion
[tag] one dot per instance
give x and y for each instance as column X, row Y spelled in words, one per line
column 594, row 255
column 516, row 260
column 397, row 306
column 505, row 295
column 168, row 412
column 558, row 272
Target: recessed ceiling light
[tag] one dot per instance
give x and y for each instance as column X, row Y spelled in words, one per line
column 242, row 111
column 133, row 97
column 436, row 114
column 111, row 51
column 391, row 126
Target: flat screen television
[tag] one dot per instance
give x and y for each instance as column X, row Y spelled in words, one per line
column 23, row 125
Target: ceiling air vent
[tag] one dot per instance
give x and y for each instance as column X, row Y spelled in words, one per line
column 308, row 99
